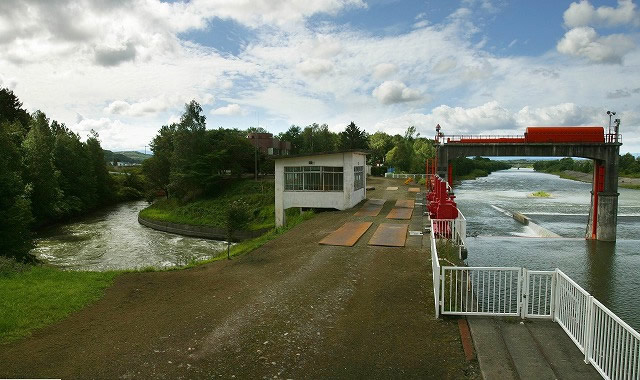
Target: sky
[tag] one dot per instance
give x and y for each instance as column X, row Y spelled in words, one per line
column 126, row 67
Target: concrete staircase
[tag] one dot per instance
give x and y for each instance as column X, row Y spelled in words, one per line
column 540, row 349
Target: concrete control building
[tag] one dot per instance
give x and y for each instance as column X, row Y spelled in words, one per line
column 321, row 180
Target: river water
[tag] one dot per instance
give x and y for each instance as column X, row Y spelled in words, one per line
column 113, row 239
column 609, row 271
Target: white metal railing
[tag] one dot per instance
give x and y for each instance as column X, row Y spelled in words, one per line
column 480, row 291
column 571, row 308
column 539, row 292
column 435, row 271
column 607, row 342
column 403, row 175
column 451, row 229
column 614, row 347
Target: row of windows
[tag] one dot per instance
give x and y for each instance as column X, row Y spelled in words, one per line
column 358, row 177
column 313, row 178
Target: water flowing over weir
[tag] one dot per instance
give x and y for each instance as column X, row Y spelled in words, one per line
column 608, row 270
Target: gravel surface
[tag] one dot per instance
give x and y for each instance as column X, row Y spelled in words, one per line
column 290, row 309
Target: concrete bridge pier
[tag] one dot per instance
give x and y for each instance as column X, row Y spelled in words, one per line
column 603, row 213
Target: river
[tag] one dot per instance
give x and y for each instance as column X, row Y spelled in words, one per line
column 609, row 271
column 112, row 238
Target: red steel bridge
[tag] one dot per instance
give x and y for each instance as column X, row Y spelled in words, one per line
column 587, row 142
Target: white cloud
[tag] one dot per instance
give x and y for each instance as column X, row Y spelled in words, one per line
column 561, row 114
column 585, row 42
column 229, row 110
column 9, row 83
column 445, row 65
column 384, row 70
column 390, row 92
column 315, row 67
column 584, row 14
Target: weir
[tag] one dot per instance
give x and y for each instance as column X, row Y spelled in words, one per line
column 603, row 213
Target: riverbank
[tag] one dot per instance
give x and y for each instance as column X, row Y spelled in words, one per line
column 626, row 182
column 210, row 211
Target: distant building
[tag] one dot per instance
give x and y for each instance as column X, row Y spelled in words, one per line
column 269, row 145
column 320, row 180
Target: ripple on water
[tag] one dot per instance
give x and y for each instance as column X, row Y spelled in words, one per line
column 113, row 239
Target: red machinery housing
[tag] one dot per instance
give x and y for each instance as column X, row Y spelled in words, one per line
column 539, row 135
column 564, row 134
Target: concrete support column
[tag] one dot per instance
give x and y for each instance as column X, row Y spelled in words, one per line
column 607, row 216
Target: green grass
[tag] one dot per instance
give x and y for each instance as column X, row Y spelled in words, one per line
column 37, row 296
column 32, row 297
column 211, row 211
column 293, row 219
column 541, row 194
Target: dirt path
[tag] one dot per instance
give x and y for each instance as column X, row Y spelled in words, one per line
column 291, row 309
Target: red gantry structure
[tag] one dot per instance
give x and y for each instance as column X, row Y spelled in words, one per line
column 581, row 141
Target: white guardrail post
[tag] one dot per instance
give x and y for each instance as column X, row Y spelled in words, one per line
column 524, row 291
column 588, row 340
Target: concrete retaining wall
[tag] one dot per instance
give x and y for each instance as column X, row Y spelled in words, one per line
column 199, row 231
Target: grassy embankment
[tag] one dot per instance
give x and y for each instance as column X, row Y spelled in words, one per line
column 582, row 177
column 211, row 211
column 34, row 296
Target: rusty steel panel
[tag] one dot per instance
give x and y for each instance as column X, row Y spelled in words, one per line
column 414, row 189
column 390, row 235
column 347, row 235
column 405, row 203
column 400, row 213
column 371, row 208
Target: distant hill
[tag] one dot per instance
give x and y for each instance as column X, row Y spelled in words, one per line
column 128, row 156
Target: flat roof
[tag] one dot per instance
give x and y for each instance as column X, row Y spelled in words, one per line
column 361, row 151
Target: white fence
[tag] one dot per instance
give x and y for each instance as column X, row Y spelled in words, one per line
column 608, row 343
column 454, row 230
column 402, row 175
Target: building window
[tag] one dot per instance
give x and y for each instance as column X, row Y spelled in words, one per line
column 313, row 178
column 358, row 177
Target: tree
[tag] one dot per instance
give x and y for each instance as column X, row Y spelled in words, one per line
column 11, row 109
column 379, row 143
column 76, row 178
column 353, row 137
column 157, row 168
column 189, row 146
column 236, row 218
column 40, row 172
column 15, row 209
column 294, row 136
column 104, row 185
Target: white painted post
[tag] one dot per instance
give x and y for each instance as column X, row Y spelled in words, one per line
column 588, row 339
column 524, row 293
column 556, row 300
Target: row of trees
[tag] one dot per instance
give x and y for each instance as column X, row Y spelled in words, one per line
column 47, row 173
column 628, row 165
column 407, row 153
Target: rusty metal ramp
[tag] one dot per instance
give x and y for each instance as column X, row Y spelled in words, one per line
column 406, row 203
column 347, row 235
column 400, row 213
column 414, row 189
column 390, row 235
column 371, row 208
